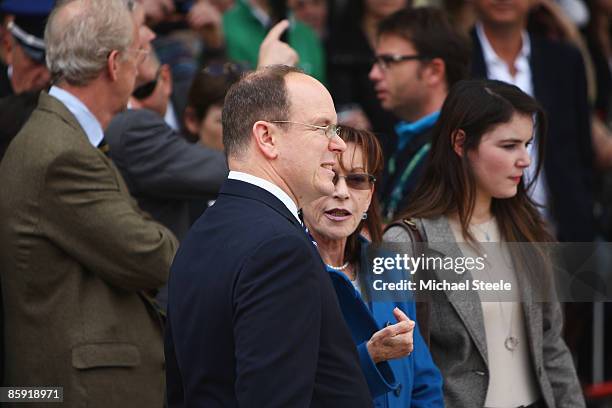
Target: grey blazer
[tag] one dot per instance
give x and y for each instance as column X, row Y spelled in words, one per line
column 458, row 342
column 161, row 169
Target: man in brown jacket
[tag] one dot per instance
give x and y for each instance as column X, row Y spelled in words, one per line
column 78, row 259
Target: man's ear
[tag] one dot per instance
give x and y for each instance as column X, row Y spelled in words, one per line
column 264, row 134
column 7, row 47
column 458, row 141
column 166, row 76
column 436, row 71
column 113, row 64
column 191, row 120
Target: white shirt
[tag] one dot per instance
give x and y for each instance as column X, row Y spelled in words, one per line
column 170, row 117
column 86, row 119
column 269, row 187
column 512, row 379
column 498, row 69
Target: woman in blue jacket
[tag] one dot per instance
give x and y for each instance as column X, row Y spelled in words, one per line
column 394, row 358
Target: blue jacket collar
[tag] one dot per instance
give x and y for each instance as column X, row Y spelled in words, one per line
column 407, row 130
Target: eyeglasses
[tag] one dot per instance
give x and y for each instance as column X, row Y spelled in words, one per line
column 141, row 54
column 356, row 181
column 330, row 130
column 145, row 90
column 384, row 61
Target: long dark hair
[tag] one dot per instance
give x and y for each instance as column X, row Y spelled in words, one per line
column 373, row 164
column 448, row 184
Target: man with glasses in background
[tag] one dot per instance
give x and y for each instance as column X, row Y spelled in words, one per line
column 162, row 170
column 419, row 56
column 253, row 319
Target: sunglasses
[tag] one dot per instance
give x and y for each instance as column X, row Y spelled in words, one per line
column 145, row 90
column 356, row 181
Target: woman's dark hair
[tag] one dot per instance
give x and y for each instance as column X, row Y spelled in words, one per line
column 209, row 88
column 373, row 164
column 448, row 184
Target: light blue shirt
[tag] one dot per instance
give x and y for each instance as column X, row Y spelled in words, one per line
column 407, row 130
column 86, row 119
column 269, row 187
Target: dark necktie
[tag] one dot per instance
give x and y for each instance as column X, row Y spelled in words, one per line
column 104, row 147
column 301, row 216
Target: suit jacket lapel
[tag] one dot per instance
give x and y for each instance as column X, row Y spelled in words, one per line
column 532, row 312
column 539, row 69
column 54, row 106
column 479, row 68
column 440, row 239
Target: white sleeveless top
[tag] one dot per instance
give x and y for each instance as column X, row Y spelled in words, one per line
column 512, row 381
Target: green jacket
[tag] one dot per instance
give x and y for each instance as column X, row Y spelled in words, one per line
column 76, row 258
column 244, row 33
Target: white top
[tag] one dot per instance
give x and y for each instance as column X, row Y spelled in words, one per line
column 497, row 67
column 83, row 115
column 499, row 70
column 170, row 117
column 512, row 381
column 269, row 187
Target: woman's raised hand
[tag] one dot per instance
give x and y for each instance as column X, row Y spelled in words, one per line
column 394, row 341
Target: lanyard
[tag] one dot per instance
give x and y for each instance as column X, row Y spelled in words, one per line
column 398, row 191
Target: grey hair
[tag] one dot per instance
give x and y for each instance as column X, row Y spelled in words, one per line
column 78, row 42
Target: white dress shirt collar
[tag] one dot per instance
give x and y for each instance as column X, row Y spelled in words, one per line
column 86, row 119
column 269, row 187
column 498, row 68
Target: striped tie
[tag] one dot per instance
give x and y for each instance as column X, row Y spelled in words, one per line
column 103, row 147
column 301, row 216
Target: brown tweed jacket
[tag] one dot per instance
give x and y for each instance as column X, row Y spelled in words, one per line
column 76, row 255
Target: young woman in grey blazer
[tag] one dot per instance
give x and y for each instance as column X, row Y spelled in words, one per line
column 492, row 351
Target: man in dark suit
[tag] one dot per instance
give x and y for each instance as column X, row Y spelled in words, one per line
column 553, row 73
column 78, row 259
column 253, row 320
column 162, row 170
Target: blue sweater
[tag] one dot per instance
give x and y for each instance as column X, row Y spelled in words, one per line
column 412, row 381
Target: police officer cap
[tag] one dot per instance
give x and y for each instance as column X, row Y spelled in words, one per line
column 28, row 25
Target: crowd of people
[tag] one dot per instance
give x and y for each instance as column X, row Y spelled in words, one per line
column 189, row 191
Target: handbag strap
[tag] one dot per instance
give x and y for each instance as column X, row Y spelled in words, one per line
column 422, row 299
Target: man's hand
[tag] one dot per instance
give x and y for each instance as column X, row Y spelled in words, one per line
column 394, row 341
column 206, row 19
column 273, row 51
column 157, row 10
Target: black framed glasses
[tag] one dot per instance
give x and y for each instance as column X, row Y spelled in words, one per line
column 145, row 90
column 330, row 130
column 356, row 181
column 384, row 61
